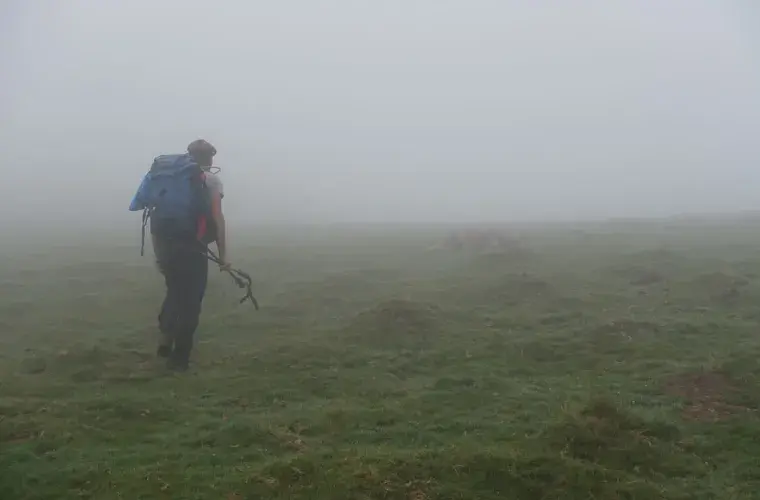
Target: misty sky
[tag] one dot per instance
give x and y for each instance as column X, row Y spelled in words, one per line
column 419, row 110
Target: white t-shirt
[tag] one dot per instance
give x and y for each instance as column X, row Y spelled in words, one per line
column 214, row 183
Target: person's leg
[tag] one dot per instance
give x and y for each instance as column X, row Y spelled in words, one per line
column 169, row 313
column 167, row 317
column 194, row 279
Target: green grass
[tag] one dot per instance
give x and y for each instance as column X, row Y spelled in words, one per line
column 604, row 362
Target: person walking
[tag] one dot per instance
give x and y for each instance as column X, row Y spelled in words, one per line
column 182, row 199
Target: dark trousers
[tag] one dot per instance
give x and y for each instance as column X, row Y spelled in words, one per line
column 185, row 270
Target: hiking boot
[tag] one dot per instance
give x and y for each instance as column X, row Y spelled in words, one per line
column 165, row 344
column 177, row 364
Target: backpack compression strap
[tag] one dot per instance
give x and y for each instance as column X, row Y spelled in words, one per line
column 145, row 217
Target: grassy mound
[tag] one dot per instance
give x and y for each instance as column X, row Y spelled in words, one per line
column 605, row 435
column 505, row 256
column 707, row 395
column 638, row 275
column 720, row 286
column 515, row 288
column 464, row 474
column 397, row 321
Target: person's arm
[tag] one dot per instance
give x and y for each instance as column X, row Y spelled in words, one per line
column 221, row 229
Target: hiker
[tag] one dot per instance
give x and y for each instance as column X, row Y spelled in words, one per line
column 182, row 198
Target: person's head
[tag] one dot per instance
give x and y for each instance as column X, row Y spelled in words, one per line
column 202, row 152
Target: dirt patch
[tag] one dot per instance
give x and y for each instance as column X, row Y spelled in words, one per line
column 706, row 395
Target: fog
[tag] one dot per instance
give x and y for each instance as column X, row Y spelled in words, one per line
column 422, row 110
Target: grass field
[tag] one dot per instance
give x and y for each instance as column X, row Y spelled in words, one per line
column 608, row 361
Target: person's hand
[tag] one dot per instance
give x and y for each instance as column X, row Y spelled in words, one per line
column 224, row 265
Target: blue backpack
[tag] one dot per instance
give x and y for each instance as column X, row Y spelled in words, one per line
column 173, row 195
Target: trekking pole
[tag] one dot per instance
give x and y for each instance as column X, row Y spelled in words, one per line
column 242, row 279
